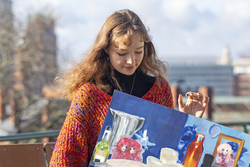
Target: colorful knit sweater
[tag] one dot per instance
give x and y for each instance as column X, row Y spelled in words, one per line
column 81, row 128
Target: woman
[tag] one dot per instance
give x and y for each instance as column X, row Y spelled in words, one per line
column 123, row 58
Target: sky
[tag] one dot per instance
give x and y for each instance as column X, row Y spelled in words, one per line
column 179, row 28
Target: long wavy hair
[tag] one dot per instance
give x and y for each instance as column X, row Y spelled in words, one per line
column 95, row 65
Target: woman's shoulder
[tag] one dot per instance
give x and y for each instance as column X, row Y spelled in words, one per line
column 160, row 93
column 163, row 83
column 86, row 87
column 162, row 86
column 160, row 83
column 156, row 81
column 88, row 90
column 87, row 98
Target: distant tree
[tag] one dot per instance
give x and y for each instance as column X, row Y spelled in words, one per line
column 7, row 50
column 28, row 54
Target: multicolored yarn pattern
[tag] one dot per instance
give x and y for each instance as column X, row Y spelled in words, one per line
column 81, row 128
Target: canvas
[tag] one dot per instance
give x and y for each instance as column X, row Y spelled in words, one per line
column 140, row 133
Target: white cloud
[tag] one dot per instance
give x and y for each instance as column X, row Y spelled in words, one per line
column 178, row 27
column 237, row 13
column 175, row 9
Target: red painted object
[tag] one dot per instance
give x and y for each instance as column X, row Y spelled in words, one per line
column 194, row 151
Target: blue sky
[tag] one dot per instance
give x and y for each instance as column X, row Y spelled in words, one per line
column 180, row 28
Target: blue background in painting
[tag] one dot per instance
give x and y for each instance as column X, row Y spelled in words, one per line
column 209, row 143
column 164, row 125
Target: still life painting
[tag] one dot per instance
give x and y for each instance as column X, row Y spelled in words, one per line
column 139, row 133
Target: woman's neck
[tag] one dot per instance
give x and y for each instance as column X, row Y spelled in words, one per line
column 137, row 84
column 126, row 82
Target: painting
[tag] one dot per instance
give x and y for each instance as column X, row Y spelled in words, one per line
column 139, row 133
column 227, row 151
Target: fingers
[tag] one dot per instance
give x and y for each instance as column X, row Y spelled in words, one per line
column 189, row 95
column 192, row 95
column 206, row 102
column 200, row 97
column 195, row 96
column 180, row 102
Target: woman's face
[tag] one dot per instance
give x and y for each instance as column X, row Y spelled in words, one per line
column 126, row 59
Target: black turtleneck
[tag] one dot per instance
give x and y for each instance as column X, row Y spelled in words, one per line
column 142, row 83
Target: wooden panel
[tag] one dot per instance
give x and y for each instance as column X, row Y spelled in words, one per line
column 49, row 150
column 22, row 155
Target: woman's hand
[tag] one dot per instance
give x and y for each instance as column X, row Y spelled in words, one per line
column 195, row 104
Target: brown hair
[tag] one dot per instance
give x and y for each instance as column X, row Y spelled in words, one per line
column 119, row 26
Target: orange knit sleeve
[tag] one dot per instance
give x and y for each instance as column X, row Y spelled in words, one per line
column 169, row 97
column 71, row 147
column 160, row 93
column 81, row 128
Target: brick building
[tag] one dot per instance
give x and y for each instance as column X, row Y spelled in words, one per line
column 242, row 76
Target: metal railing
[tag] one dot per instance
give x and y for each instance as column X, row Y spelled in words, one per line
column 243, row 124
column 54, row 133
column 32, row 135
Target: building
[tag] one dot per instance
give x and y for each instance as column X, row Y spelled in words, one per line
column 242, row 76
column 189, row 74
column 191, row 77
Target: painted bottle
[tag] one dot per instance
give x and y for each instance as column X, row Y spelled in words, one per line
column 194, row 151
column 102, row 147
column 207, row 160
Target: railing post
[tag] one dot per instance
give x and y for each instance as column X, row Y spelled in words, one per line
column 175, row 93
column 245, row 128
column 44, row 119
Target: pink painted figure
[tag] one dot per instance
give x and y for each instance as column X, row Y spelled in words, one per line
column 135, row 151
column 121, row 150
column 225, row 155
